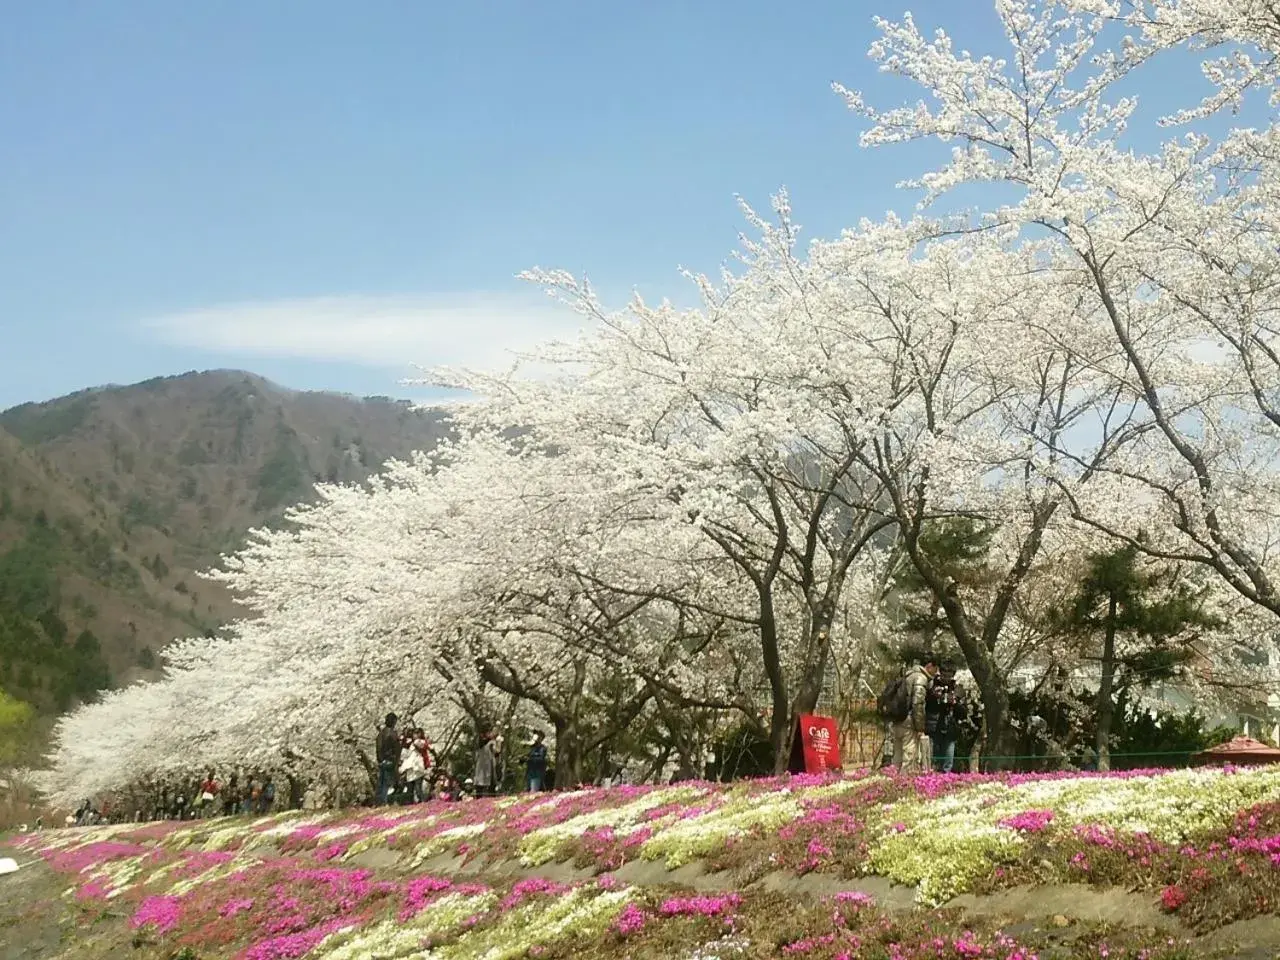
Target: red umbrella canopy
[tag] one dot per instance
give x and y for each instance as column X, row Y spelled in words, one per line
column 1242, row 749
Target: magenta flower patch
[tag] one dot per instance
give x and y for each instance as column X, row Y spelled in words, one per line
column 160, row 913
column 1029, row 821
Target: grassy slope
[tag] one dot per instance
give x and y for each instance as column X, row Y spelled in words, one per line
column 776, row 865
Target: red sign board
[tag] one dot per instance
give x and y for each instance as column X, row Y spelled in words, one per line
column 816, row 746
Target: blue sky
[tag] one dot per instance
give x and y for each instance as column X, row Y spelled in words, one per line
column 324, row 192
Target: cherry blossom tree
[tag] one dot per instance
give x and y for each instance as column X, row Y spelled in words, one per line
column 744, row 421
column 708, row 509
column 1170, row 254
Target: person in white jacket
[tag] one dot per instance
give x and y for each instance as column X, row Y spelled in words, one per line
column 412, row 772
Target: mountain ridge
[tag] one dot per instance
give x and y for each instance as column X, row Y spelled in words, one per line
column 113, row 498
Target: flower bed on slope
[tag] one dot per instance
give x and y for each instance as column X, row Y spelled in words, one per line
column 1205, row 844
column 283, row 908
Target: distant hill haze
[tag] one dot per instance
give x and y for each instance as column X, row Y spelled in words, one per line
column 112, row 499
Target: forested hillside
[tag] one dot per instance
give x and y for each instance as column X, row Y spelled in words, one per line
column 112, row 499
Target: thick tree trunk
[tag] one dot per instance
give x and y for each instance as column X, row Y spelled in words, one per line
column 568, row 755
column 998, row 747
column 780, row 722
column 975, row 754
column 996, row 741
column 1105, row 708
column 818, row 645
column 809, row 688
column 296, row 790
column 654, row 770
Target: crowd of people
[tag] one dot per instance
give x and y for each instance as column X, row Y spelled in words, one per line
column 194, row 798
column 404, row 767
column 926, row 712
column 211, row 797
column 928, row 715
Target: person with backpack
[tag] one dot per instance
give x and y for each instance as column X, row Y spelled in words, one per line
column 945, row 712
column 902, row 706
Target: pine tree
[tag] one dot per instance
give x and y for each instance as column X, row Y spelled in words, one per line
column 1120, row 599
column 958, row 548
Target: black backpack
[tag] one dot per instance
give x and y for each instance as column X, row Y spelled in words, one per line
column 894, row 702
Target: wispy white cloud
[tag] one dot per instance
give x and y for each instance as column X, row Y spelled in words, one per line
column 482, row 331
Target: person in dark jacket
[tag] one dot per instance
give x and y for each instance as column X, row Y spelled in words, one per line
column 535, row 765
column 945, row 711
column 388, row 747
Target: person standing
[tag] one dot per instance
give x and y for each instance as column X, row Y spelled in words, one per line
column 535, row 765
column 910, row 742
column 945, row 711
column 423, row 746
column 231, row 796
column 388, row 751
column 412, row 772
column 208, row 795
column 485, row 777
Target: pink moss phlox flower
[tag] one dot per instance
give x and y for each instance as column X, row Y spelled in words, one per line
column 162, row 913
column 808, row 944
column 202, row 861
column 233, row 907
column 1172, row 898
column 631, row 920
column 966, row 946
column 817, row 848
column 419, row 892
column 700, row 906
column 379, row 824
column 1029, row 821
column 335, row 878
column 151, row 832
column 828, row 815
column 289, row 923
column 92, row 855
column 1266, row 846
column 1095, row 835
column 801, row 780
column 293, row 945
column 636, row 837
column 690, row 813
column 934, row 785
column 304, row 833
column 855, row 897
column 331, row 852
column 530, row 887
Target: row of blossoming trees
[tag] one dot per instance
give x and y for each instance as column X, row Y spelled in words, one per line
column 710, row 511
